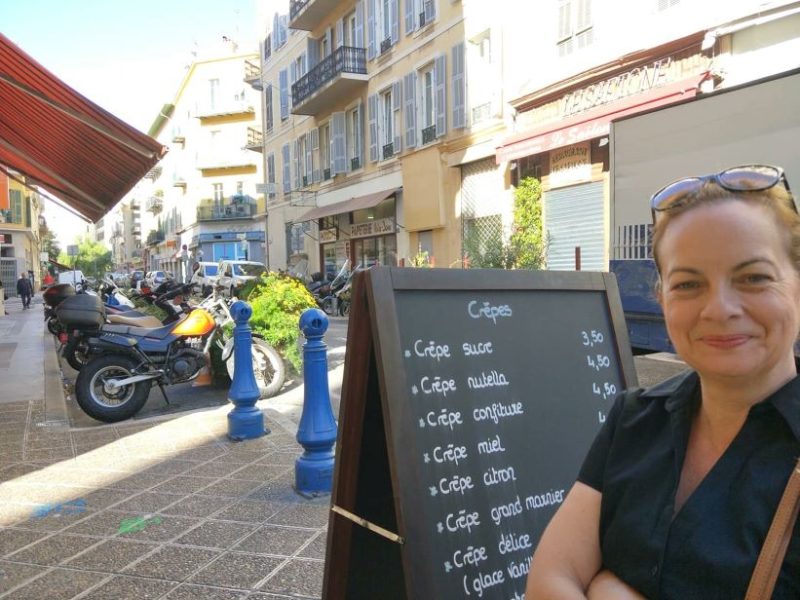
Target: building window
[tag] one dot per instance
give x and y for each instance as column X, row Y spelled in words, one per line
column 240, row 188
column 354, row 138
column 213, row 89
column 229, row 251
column 387, row 125
column 325, row 150
column 271, row 189
column 350, row 29
column 574, row 25
column 386, row 19
column 15, row 197
column 270, row 114
column 218, row 197
column 427, row 101
column 480, row 66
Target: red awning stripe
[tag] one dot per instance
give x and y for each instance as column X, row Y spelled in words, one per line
column 73, row 148
column 592, row 123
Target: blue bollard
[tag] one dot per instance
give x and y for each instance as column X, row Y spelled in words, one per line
column 245, row 421
column 313, row 471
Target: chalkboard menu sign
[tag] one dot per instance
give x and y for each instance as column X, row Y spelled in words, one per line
column 469, row 401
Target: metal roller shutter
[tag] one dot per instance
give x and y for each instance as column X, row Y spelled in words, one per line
column 574, row 218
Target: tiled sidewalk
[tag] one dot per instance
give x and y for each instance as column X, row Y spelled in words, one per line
column 159, row 510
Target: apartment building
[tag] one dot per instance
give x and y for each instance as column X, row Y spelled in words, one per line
column 598, row 61
column 203, row 194
column 20, row 240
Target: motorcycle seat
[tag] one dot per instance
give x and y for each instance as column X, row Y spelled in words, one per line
column 146, row 321
column 141, row 332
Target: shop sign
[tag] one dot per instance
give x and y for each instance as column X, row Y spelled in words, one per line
column 571, row 164
column 328, row 235
column 372, row 228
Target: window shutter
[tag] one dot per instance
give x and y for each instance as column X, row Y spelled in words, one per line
column 373, row 127
column 440, row 79
column 315, row 173
column 359, row 41
column 328, row 40
column 411, row 20
column 410, row 83
column 287, row 170
column 372, row 30
column 397, row 105
column 312, row 52
column 340, row 33
column 296, row 161
column 292, row 80
column 276, row 34
column 309, row 159
column 359, row 136
column 339, row 162
column 268, row 98
column 394, row 8
column 459, row 87
column 430, row 10
column 284, row 22
column 583, row 16
column 283, row 83
column 564, row 19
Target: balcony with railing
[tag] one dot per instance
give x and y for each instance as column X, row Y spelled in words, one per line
column 230, row 209
column 307, row 14
column 255, row 140
column 428, row 134
column 339, row 75
column 252, row 74
column 225, row 159
column 155, row 237
column 154, row 204
column 225, row 107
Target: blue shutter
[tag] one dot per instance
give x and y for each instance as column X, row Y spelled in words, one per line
column 276, row 34
column 411, row 109
column 394, row 7
column 296, row 160
column 397, row 105
column 339, row 162
column 292, row 80
column 284, row 26
column 359, row 41
column 439, row 77
column 269, row 111
column 309, row 158
column 459, row 87
column 283, row 84
column 430, row 10
column 287, row 170
column 372, row 31
column 411, row 20
column 373, row 127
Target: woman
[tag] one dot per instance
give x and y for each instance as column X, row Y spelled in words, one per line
column 678, row 491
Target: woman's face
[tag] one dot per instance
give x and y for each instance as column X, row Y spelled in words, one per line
column 730, row 293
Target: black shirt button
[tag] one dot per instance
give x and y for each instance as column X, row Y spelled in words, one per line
column 654, row 571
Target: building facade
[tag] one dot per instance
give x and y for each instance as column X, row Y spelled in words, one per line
column 20, row 238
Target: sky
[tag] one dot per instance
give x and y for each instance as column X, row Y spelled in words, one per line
column 128, row 56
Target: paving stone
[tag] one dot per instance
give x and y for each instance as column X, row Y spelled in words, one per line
column 111, row 556
column 13, row 574
column 237, row 570
column 17, row 470
column 299, row 578
column 202, row 454
column 215, row 468
column 174, row 563
column 230, row 488
column 130, row 587
column 274, row 492
column 216, row 534
column 12, row 540
column 102, row 524
column 271, row 539
column 53, row 550
column 201, row 592
column 53, row 521
column 317, row 548
column 250, row 511
column 170, row 467
column 261, row 472
column 148, row 502
column 185, row 485
column 196, row 506
column 58, row 584
column 241, row 457
column 103, row 498
column 161, row 528
column 311, row 515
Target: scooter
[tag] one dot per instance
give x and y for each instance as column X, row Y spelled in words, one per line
column 125, row 361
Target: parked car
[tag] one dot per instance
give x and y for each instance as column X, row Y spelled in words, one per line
column 233, row 274
column 74, row 278
column 204, row 277
column 154, row 278
column 136, row 277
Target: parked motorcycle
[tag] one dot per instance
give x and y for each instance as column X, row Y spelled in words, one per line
column 330, row 303
column 125, row 361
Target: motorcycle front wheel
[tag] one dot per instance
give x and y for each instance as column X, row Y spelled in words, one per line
column 99, row 400
column 268, row 368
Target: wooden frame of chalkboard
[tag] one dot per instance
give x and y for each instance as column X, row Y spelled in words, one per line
column 468, row 401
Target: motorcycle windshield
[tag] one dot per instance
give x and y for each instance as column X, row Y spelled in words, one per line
column 343, row 273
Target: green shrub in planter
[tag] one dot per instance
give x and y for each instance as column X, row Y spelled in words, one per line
column 278, row 301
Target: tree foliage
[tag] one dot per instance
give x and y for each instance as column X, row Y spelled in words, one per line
column 50, row 245
column 526, row 246
column 94, row 259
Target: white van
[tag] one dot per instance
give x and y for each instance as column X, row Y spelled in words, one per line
column 72, row 277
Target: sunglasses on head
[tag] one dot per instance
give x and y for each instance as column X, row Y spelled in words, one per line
column 747, row 178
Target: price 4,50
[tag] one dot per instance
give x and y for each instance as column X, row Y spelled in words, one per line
column 607, row 390
column 598, row 361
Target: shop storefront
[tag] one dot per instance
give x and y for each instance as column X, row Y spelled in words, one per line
column 564, row 142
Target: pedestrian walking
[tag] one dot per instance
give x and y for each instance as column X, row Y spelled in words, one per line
column 25, row 290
